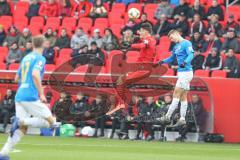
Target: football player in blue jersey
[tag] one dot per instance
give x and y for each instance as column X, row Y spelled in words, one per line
column 31, row 110
column 184, row 53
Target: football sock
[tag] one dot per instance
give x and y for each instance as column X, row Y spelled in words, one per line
column 172, row 107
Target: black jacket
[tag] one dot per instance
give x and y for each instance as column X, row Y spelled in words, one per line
column 2, row 37
column 5, row 9
column 181, row 8
column 200, row 11
column 216, row 10
column 232, row 64
column 183, row 25
column 212, row 62
column 164, row 29
column 63, row 42
column 8, row 104
column 33, row 10
column 216, row 27
column 49, row 54
column 97, row 57
column 198, row 44
column 197, row 62
column 80, row 105
column 231, row 43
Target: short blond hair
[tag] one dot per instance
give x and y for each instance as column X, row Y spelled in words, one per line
column 38, row 41
column 173, row 31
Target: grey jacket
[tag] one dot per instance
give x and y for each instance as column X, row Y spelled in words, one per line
column 167, row 10
column 16, row 54
column 79, row 41
column 99, row 41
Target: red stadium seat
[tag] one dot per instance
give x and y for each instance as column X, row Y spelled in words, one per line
column 14, row 66
column 132, row 56
column 21, row 22
column 6, row 21
column 38, row 20
column 53, row 22
column 202, row 73
column 69, row 22
column 116, row 21
column 170, row 72
column 101, row 21
column 219, row 74
column 2, row 66
column 4, row 51
column 86, row 21
column 119, row 8
column 116, row 30
column 21, row 9
column 81, row 69
column 115, row 54
column 65, row 52
column 35, row 29
column 50, row 67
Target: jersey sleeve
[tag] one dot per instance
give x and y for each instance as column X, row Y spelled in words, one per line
column 39, row 64
column 169, row 59
column 189, row 51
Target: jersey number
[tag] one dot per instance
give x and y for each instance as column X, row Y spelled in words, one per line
column 25, row 67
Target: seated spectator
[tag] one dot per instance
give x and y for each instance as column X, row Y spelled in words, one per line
column 63, row 41
column 48, row 52
column 24, row 38
column 212, row 41
column 33, row 9
column 81, row 104
column 231, row 42
column 80, row 56
column 96, row 38
column 197, row 25
column 2, row 35
column 150, row 106
column 197, row 8
column 181, row 23
column 51, row 36
column 231, row 65
column 15, row 55
column 79, row 39
column 163, row 8
column 198, row 60
column 215, row 9
column 110, row 41
column 162, row 27
column 29, row 48
column 144, row 20
column 183, row 8
column 213, row 61
column 49, row 9
column 214, row 25
column 198, row 41
column 231, row 23
column 5, row 9
column 97, row 57
column 7, row 107
column 131, row 24
column 12, row 36
column 83, row 9
column 64, row 8
column 98, row 10
column 126, row 40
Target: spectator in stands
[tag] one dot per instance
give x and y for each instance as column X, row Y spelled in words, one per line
column 33, row 9
column 83, row 9
column 215, row 9
column 28, row 48
column 231, row 42
column 198, row 41
column 214, row 25
column 15, row 55
column 231, row 23
column 212, row 41
column 97, row 57
column 144, row 20
column 79, row 39
column 12, row 36
column 64, row 8
column 25, row 37
column 213, row 61
column 127, row 39
column 197, row 8
column 96, row 38
column 7, row 107
column 183, row 8
column 110, row 41
column 5, row 9
column 181, row 23
column 63, row 41
column 80, row 56
column 48, row 52
column 50, row 35
column 197, row 25
column 198, row 60
column 2, row 35
column 49, row 9
column 163, row 8
column 131, row 24
column 231, row 65
column 98, row 10
column 99, row 103
column 162, row 27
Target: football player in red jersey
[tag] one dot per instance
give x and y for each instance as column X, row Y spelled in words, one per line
column 144, row 64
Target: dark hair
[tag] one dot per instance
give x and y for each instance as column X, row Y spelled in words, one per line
column 147, row 27
column 38, row 41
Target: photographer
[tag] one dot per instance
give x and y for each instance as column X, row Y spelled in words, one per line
column 7, row 108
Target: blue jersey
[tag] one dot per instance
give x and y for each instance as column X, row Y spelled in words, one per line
column 183, row 51
column 27, row 90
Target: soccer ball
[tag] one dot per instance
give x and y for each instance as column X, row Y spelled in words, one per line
column 87, row 131
column 133, row 13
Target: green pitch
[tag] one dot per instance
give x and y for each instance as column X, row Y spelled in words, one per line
column 55, row 148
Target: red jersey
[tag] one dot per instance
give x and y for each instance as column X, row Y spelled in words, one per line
column 147, row 49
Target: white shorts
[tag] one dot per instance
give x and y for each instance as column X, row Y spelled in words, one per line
column 184, row 79
column 28, row 109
